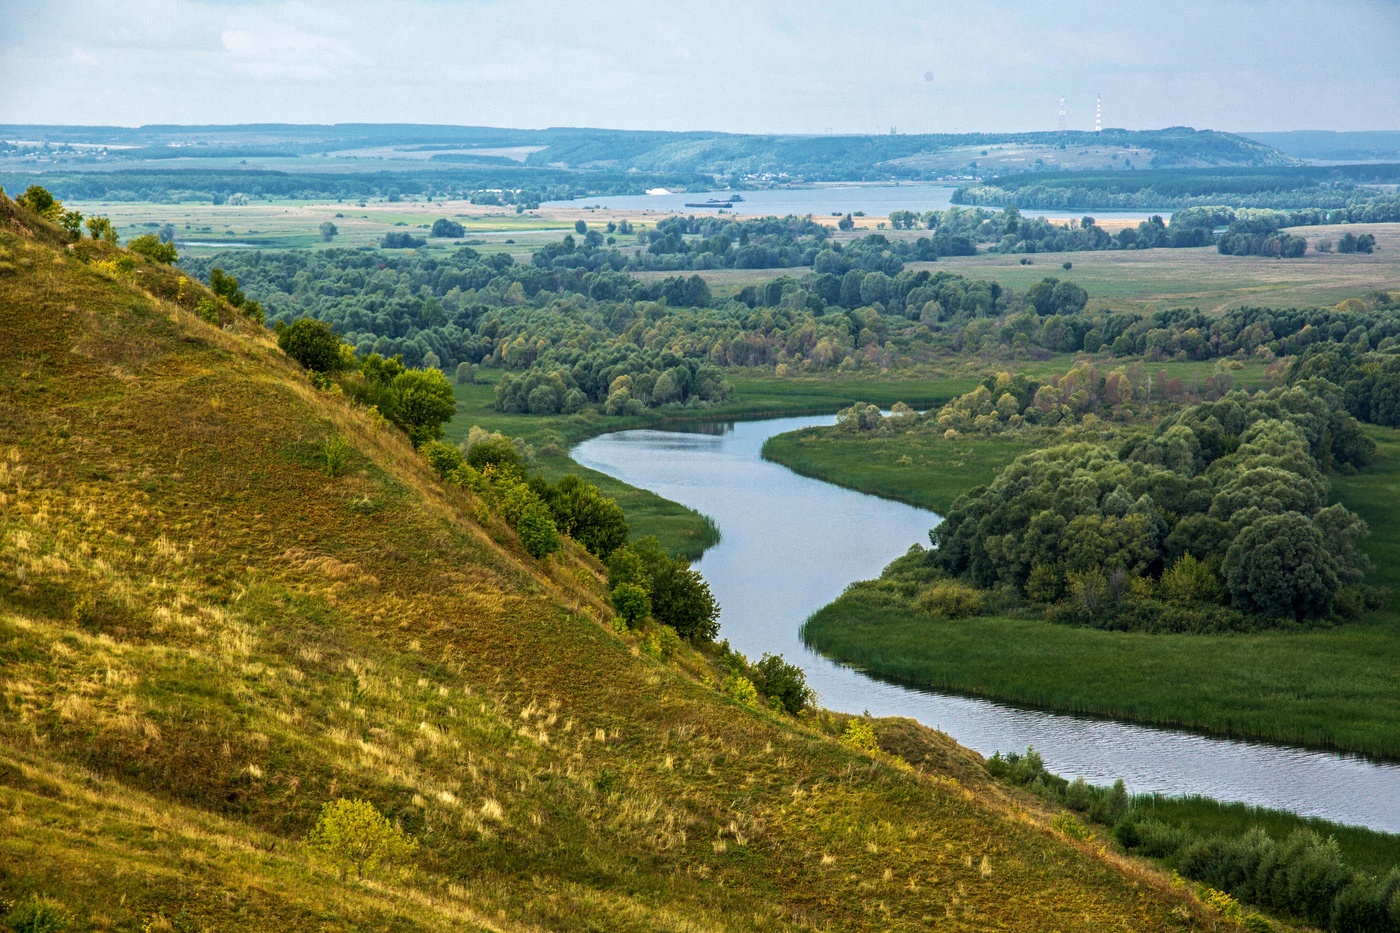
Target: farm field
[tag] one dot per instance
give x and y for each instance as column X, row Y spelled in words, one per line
column 1168, row 278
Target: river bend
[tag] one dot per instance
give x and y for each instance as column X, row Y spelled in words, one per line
column 791, row 544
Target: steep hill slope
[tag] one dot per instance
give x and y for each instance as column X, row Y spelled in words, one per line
column 204, row 637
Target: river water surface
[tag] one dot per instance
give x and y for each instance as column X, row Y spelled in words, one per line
column 877, row 200
column 791, row 544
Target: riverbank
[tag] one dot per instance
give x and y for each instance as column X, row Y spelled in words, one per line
column 1332, row 688
column 681, row 530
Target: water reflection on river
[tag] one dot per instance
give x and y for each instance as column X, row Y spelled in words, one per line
column 792, row 544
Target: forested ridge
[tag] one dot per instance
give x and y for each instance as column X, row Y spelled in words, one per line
column 1349, row 193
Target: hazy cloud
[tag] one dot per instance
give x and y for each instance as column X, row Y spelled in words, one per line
column 736, row 65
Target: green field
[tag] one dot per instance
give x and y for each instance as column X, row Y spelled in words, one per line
column 285, row 224
column 1171, row 278
column 1333, row 688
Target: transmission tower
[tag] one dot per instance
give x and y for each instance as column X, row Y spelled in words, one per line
column 1098, row 113
column 1062, row 114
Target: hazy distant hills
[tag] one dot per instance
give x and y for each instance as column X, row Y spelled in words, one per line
column 731, row 156
column 1329, row 146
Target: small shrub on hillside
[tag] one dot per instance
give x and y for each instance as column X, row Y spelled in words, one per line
column 207, row 310
column 335, row 454
column 495, row 451
column 784, row 684
column 860, row 736
column 443, row 458
column 38, row 915
column 150, row 246
column 39, row 200
column 631, row 603
column 741, row 688
column 101, row 228
column 584, row 514
column 661, row 643
column 313, row 344
column 537, row 531
column 354, row 835
column 425, row 404
column 1069, row 827
column 119, row 266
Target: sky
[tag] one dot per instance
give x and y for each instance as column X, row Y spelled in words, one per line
column 728, row 65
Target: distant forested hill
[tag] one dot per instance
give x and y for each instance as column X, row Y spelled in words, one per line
column 1287, row 187
column 1330, row 146
column 731, row 157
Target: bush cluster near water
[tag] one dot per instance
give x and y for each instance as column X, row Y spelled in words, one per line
column 1302, row 875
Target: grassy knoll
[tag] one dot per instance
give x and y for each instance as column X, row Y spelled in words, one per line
column 205, row 636
column 1332, row 688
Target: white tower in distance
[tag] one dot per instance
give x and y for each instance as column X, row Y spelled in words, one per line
column 1098, row 113
column 1062, row 114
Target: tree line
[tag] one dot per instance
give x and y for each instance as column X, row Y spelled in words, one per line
column 1217, row 520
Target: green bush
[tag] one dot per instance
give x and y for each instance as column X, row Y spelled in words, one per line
column 631, row 603
column 445, row 459
column 585, row 514
column 784, row 684
column 680, row 597
column 425, row 404
column 150, row 246
column 335, row 454
column 313, row 344
column 740, row 688
column 860, row 736
column 496, row 452
column 38, row 915
column 354, row 835
column 951, row 599
column 101, row 228
column 537, row 531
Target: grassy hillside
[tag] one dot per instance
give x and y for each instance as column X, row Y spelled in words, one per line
column 204, row 637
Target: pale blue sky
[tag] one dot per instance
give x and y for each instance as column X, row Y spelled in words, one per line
column 735, row 65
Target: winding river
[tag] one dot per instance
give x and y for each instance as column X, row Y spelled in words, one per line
column 791, row 544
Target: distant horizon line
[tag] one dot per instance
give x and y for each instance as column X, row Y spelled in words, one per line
column 689, row 132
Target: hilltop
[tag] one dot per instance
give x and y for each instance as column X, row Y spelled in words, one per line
column 204, row 637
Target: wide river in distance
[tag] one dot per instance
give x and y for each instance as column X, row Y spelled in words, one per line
column 875, row 200
column 789, row 545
